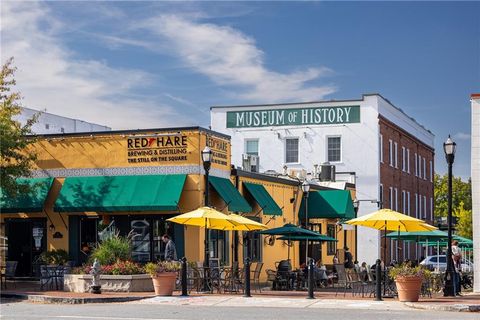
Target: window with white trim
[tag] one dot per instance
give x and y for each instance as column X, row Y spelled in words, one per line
column 404, row 162
column 334, row 151
column 408, row 160
column 396, row 199
column 416, row 165
column 425, row 207
column 381, row 148
column 416, row 206
column 291, row 150
column 390, row 151
column 251, row 147
column 420, row 213
column 380, row 196
column 396, row 155
column 390, row 190
column 408, row 202
column 424, row 169
column 404, row 202
column 420, row 166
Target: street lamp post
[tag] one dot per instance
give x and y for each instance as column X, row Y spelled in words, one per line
column 207, row 162
column 449, row 147
column 306, row 189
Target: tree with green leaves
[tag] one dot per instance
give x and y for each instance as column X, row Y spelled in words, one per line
column 464, row 226
column 15, row 158
column 461, row 202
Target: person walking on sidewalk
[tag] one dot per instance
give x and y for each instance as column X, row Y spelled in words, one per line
column 457, row 265
column 170, row 250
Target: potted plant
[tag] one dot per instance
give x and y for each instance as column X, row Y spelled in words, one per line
column 408, row 280
column 54, row 257
column 164, row 274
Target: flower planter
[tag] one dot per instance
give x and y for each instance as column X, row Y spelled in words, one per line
column 164, row 283
column 408, row 288
column 110, row 283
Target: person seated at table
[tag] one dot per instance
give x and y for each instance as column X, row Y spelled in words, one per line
column 356, row 266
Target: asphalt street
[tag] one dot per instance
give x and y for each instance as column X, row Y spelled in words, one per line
column 135, row 311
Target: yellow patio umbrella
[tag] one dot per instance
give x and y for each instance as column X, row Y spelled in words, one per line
column 205, row 217
column 387, row 219
column 244, row 224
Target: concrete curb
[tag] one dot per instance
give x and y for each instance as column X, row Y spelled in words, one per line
column 50, row 299
column 450, row 307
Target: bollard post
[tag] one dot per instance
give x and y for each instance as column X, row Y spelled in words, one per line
column 311, row 279
column 247, row 278
column 184, row 277
column 378, row 279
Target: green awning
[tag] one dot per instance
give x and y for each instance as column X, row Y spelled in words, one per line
column 328, row 204
column 229, row 194
column 263, row 198
column 30, row 201
column 121, row 193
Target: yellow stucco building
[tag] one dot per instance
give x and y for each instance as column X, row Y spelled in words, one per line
column 84, row 185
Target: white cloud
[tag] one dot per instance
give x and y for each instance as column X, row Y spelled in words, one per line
column 230, row 58
column 51, row 77
column 462, row 136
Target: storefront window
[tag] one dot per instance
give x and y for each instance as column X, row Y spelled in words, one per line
column 140, row 235
column 253, row 244
column 219, row 245
column 88, row 235
column 331, row 246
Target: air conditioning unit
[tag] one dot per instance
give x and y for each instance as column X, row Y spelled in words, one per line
column 251, row 162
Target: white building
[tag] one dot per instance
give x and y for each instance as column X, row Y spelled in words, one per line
column 390, row 153
column 49, row 123
column 475, row 100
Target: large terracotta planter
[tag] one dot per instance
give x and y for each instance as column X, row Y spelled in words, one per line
column 408, row 288
column 164, row 283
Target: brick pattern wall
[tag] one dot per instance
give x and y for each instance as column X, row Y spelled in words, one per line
column 405, row 172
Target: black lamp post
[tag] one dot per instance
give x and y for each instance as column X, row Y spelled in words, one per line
column 449, row 147
column 306, row 189
column 207, row 162
column 356, row 206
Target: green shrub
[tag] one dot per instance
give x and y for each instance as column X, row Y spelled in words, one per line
column 406, row 270
column 59, row 257
column 112, row 249
column 162, row 266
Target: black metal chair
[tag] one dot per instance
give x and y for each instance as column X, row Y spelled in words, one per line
column 10, row 270
column 256, row 276
column 46, row 280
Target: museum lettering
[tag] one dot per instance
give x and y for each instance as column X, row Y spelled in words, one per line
column 289, row 117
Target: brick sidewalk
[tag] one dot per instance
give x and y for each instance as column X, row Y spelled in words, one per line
column 32, row 292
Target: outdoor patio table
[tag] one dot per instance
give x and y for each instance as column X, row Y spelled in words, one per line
column 56, row 274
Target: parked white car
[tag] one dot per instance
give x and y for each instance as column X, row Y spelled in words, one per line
column 440, row 262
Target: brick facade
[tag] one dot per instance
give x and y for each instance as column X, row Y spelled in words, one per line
column 406, row 171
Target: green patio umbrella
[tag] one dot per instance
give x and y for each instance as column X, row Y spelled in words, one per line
column 418, row 236
column 288, row 231
column 319, row 238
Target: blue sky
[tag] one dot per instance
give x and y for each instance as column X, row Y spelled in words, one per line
column 155, row 64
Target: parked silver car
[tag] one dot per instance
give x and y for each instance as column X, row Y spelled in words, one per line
column 440, row 262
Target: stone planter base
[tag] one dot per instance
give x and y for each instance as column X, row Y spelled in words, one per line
column 131, row 283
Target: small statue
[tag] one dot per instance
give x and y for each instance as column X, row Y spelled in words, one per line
column 95, row 272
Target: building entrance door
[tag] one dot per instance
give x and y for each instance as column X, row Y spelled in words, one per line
column 27, row 239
